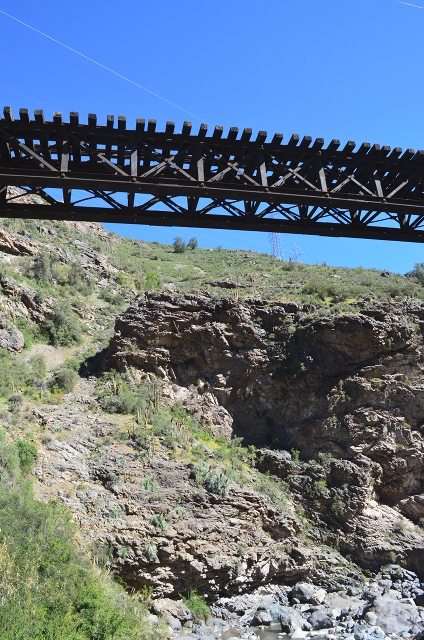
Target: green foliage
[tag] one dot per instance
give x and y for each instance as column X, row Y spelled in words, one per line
column 117, row 395
column 178, row 245
column 27, row 453
column 33, row 333
column 197, row 605
column 325, row 458
column 318, row 490
column 63, row 380
column 338, row 507
column 63, row 326
column 47, row 590
column 16, row 375
column 214, row 480
column 42, row 268
column 295, row 453
column 147, row 591
column 275, row 489
column 149, row 484
column 242, row 549
column 38, row 366
column 392, row 557
column 158, row 521
column 150, row 551
column 114, row 299
column 418, row 272
column 192, row 243
column 152, row 281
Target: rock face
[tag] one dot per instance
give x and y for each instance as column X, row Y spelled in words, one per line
column 177, row 536
column 11, row 338
column 349, row 387
column 395, row 616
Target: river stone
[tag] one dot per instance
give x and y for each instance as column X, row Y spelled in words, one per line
column 174, row 623
column 166, row 607
column 303, row 592
column 261, row 618
column 275, row 611
column 376, row 632
column 394, row 616
column 298, row 634
column 320, row 620
column 318, row 597
column 370, row 617
column 291, row 620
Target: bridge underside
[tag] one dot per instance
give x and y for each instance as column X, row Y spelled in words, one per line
column 112, row 174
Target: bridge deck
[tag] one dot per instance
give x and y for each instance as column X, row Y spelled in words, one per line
column 109, row 173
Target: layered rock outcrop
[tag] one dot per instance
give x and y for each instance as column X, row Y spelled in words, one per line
column 349, row 386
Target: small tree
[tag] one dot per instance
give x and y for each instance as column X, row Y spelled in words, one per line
column 179, row 246
column 192, row 243
column 42, row 268
column 152, row 280
column 63, row 326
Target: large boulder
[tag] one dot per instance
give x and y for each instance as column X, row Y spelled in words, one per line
column 394, row 616
column 261, row 617
column 290, row 620
column 11, row 338
column 320, row 619
column 303, row 592
column 171, row 611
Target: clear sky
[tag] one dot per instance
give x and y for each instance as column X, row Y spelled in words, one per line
column 346, row 69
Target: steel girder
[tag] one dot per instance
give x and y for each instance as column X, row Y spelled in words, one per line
column 112, row 174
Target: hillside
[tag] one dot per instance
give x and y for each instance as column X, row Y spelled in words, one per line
column 221, row 426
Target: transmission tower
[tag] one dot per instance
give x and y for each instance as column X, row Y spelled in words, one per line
column 275, row 241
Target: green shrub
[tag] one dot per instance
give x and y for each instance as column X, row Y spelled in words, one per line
column 42, row 268
column 151, row 281
column 63, row 326
column 33, row 333
column 114, row 299
column 19, row 377
column 149, row 484
column 47, row 591
column 197, row 605
column 38, row 367
column 63, row 380
column 295, row 455
column 192, row 244
column 214, row 480
column 117, row 395
column 27, row 453
column 338, row 507
column 150, row 551
column 158, row 521
column 276, row 490
column 179, row 245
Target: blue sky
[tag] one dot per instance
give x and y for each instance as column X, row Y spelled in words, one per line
column 347, row 69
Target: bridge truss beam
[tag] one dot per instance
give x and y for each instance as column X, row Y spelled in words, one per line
column 112, row 174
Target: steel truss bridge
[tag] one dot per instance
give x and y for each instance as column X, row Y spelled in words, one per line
column 109, row 173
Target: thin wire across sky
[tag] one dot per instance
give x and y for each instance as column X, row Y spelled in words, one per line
column 99, row 64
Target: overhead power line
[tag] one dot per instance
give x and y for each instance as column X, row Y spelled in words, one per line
column 407, row 4
column 99, row 64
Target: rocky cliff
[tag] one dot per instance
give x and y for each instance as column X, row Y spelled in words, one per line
column 346, row 391
column 251, row 429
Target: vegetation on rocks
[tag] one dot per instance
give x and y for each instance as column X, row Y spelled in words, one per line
column 206, row 444
column 47, row 588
